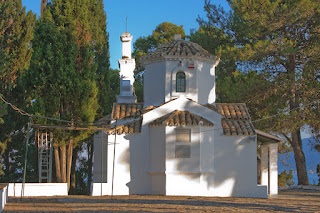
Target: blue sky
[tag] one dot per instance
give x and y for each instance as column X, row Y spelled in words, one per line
column 143, row 17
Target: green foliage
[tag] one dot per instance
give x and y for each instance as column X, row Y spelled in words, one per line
column 53, row 81
column 138, row 87
column 109, row 86
column 69, row 76
column 285, row 179
column 15, row 35
column 269, row 39
column 280, row 40
column 3, row 111
column 163, row 33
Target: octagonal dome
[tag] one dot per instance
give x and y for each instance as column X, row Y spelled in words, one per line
column 179, row 49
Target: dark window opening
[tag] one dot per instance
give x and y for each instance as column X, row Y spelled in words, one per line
column 181, row 82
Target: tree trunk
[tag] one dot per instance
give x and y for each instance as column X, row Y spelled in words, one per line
column 299, row 157
column 69, row 163
column 57, row 162
column 90, row 157
column 73, row 172
column 63, row 162
column 259, row 170
column 296, row 142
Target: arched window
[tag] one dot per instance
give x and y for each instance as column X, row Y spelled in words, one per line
column 181, row 82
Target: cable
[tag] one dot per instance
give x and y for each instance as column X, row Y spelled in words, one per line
column 285, row 111
column 24, row 113
column 220, row 128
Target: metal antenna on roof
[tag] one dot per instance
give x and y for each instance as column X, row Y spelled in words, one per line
column 126, row 24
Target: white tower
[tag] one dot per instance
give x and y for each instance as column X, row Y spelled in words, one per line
column 127, row 66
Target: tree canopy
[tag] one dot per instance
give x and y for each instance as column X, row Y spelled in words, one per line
column 162, row 34
column 280, row 40
column 16, row 33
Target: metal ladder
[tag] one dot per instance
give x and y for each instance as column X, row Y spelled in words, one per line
column 45, row 145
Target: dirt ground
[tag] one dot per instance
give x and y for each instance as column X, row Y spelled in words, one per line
column 287, row 201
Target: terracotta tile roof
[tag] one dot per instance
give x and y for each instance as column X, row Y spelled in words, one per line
column 178, row 48
column 129, row 110
column 231, row 110
column 180, row 118
column 103, row 121
column 235, row 120
column 237, row 127
column 127, row 128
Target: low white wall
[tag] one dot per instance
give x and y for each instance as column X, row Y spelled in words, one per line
column 3, row 196
column 38, row 189
column 97, row 188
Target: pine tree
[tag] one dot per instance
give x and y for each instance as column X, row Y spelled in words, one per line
column 280, row 40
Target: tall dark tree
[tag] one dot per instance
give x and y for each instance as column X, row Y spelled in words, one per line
column 62, row 78
column 16, row 33
column 69, row 73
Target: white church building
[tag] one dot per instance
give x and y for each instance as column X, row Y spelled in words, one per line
column 179, row 141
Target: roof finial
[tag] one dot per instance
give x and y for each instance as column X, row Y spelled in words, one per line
column 177, row 37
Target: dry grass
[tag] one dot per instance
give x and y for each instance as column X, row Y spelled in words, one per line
column 287, row 201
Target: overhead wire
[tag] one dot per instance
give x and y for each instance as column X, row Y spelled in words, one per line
column 271, row 116
column 24, row 113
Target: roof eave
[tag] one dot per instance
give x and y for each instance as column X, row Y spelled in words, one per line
column 148, row 60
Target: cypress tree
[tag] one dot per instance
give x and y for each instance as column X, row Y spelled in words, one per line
column 69, row 64
column 16, row 33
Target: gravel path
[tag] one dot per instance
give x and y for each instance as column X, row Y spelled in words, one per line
column 287, row 201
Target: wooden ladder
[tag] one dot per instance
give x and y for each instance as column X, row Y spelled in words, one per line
column 45, row 145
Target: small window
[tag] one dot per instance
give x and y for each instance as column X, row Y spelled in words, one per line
column 182, row 151
column 181, row 82
column 183, row 146
column 183, row 135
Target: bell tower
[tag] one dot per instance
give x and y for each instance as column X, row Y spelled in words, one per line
column 127, row 66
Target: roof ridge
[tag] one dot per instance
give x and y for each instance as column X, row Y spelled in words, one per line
column 179, row 48
column 180, row 118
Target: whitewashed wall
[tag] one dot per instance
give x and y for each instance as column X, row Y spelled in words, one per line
column 100, row 159
column 219, row 165
column 38, row 189
column 3, row 196
column 154, row 84
column 160, row 81
column 157, row 162
column 206, row 82
column 121, row 167
column 172, row 68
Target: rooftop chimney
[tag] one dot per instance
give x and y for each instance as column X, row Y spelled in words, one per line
column 177, row 37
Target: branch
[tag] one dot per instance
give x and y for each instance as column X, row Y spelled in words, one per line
column 284, row 135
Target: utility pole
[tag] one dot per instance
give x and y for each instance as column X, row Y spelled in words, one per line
column 43, row 6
